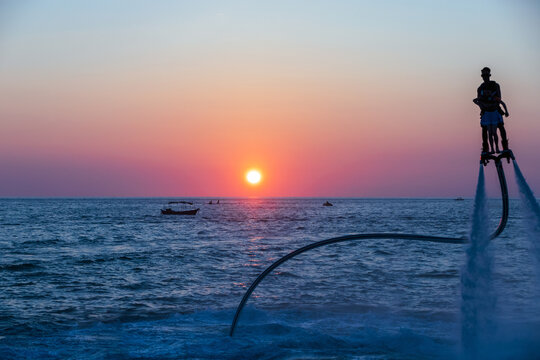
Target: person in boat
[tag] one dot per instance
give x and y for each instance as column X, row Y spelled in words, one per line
column 489, row 100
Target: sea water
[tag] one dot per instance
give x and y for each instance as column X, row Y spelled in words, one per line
column 115, row 279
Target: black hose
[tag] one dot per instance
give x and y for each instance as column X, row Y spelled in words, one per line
column 332, row 241
column 438, row 239
column 504, row 194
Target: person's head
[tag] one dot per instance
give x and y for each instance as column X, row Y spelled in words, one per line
column 486, row 73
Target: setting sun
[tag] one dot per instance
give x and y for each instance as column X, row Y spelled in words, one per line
column 253, row 176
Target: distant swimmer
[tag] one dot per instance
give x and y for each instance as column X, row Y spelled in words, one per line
column 327, row 204
column 489, row 100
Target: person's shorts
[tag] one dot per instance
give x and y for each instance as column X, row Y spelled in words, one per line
column 491, row 118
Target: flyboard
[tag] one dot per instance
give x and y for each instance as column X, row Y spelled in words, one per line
column 485, row 158
column 507, row 154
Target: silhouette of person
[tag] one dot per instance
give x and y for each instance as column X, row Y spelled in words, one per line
column 489, row 100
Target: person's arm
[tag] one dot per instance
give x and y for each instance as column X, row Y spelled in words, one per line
column 480, row 103
column 504, row 107
column 477, row 100
column 498, row 97
column 480, row 99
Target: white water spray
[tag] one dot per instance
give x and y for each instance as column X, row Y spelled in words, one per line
column 478, row 298
column 532, row 210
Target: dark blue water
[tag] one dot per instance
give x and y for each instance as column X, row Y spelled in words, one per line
column 115, row 279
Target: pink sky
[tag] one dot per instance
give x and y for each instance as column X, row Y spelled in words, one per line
column 326, row 100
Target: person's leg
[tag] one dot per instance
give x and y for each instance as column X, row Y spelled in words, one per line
column 495, row 138
column 490, row 137
column 485, row 147
column 504, row 139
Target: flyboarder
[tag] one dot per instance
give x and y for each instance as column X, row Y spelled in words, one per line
column 489, row 100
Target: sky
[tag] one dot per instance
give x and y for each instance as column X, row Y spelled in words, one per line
column 326, row 98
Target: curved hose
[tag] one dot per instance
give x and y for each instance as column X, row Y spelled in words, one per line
column 438, row 239
column 332, row 241
column 504, row 194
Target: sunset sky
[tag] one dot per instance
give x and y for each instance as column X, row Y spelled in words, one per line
column 325, row 98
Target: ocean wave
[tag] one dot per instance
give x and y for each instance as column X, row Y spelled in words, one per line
column 122, row 284
column 20, row 267
column 262, row 335
column 452, row 273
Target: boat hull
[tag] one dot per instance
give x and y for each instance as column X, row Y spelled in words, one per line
column 172, row 212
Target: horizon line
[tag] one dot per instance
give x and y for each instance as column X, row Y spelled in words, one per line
column 236, row 197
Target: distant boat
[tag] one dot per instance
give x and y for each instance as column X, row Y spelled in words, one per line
column 170, row 211
column 327, row 204
column 459, row 198
column 210, row 202
column 181, row 208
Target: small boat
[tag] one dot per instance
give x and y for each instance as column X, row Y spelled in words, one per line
column 180, row 208
column 169, row 211
column 459, row 199
column 327, row 203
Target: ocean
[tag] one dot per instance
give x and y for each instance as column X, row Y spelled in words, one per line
column 112, row 278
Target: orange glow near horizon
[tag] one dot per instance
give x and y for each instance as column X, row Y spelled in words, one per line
column 253, row 177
